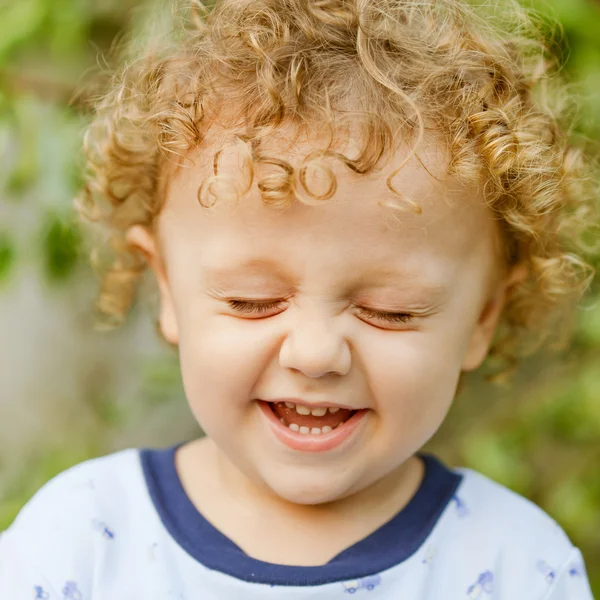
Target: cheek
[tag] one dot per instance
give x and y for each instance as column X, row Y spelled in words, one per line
column 220, row 361
column 413, row 379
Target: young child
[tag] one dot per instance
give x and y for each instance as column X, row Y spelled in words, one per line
column 346, row 204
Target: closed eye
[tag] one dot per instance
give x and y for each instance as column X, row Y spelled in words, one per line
column 388, row 316
column 261, row 308
column 243, row 306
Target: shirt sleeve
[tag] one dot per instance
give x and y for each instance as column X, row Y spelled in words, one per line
column 570, row 582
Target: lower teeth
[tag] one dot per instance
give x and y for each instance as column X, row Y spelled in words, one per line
column 310, row 430
column 304, row 430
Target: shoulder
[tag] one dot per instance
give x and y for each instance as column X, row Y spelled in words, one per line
column 488, row 498
column 492, row 537
column 519, row 529
column 81, row 487
column 57, row 529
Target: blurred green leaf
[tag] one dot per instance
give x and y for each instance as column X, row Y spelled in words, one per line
column 7, row 255
column 25, row 170
column 588, row 329
column 573, row 504
column 500, row 457
column 18, row 21
column 69, row 26
column 61, row 246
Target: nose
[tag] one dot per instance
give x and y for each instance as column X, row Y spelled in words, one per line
column 315, row 347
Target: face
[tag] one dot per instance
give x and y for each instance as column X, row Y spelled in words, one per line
column 330, row 306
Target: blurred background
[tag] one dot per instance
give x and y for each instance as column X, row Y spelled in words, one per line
column 69, row 392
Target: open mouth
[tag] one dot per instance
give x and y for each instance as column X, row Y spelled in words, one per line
column 316, row 428
column 317, row 420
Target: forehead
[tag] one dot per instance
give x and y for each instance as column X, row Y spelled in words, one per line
column 356, row 223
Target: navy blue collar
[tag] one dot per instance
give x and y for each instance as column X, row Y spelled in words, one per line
column 392, row 543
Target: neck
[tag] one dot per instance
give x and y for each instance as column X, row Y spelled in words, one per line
column 270, row 528
column 387, row 495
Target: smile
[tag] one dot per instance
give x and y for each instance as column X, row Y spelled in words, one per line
column 315, row 429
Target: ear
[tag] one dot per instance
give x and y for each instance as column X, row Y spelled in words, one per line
column 483, row 334
column 142, row 240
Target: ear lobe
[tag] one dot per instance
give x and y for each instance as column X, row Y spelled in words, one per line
column 517, row 275
column 481, row 338
column 142, row 240
column 485, row 328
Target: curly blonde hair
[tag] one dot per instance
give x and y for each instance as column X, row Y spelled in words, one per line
column 490, row 86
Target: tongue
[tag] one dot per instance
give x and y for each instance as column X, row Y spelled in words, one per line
column 289, row 415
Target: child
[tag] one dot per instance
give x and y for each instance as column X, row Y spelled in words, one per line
column 342, row 202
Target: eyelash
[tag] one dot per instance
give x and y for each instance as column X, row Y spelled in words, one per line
column 261, row 308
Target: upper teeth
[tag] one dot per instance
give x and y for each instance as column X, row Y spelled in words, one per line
column 317, row 411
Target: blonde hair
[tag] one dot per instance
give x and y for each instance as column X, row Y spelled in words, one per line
column 490, row 86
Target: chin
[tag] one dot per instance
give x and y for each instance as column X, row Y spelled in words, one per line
column 308, row 490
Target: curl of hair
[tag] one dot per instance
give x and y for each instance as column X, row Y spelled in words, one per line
column 488, row 84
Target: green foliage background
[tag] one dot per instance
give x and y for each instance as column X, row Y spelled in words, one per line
column 541, row 437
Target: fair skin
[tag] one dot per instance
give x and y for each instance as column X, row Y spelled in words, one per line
column 332, row 270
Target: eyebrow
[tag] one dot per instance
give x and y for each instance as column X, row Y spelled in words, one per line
column 410, row 288
column 254, row 266
column 379, row 278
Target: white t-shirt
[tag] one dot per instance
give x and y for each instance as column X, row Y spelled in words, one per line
column 121, row 527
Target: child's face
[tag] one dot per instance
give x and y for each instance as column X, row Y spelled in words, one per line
column 327, row 267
